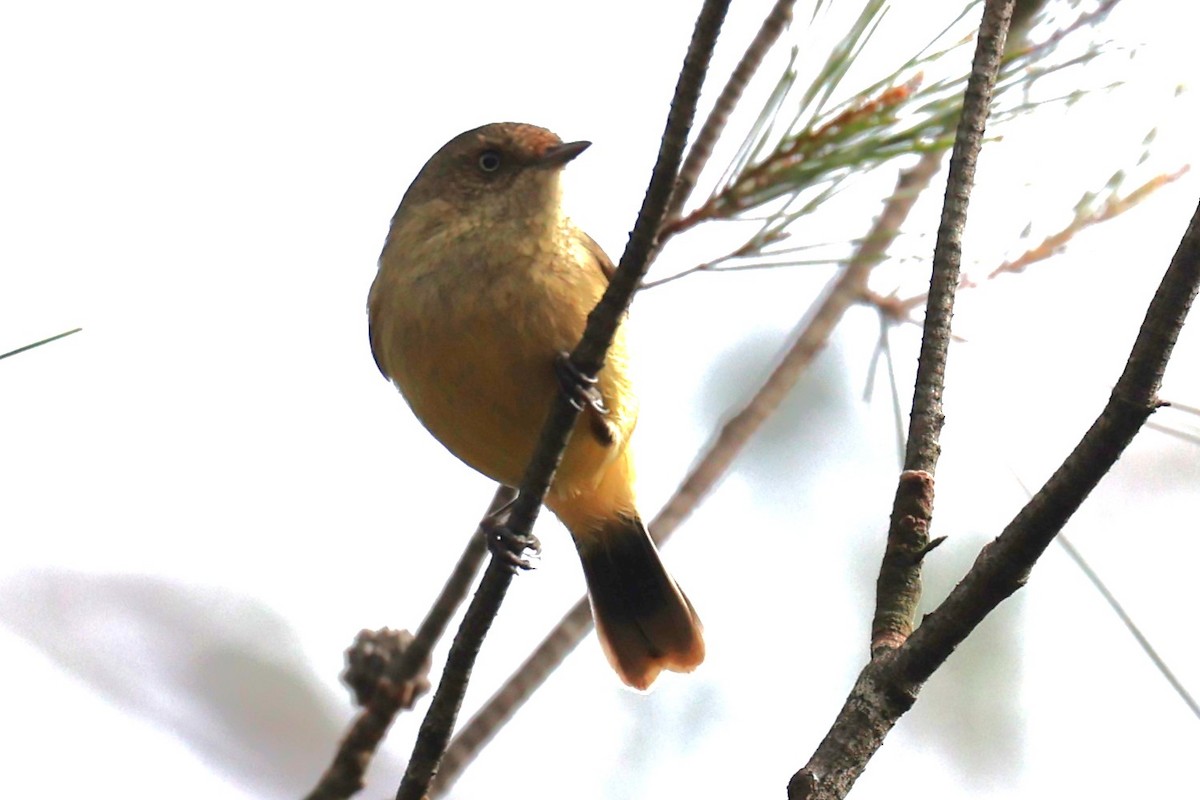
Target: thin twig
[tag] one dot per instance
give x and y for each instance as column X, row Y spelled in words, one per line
column 1174, row 432
column 1184, row 407
column 344, row 776
column 1131, row 626
column 898, row 590
column 700, row 151
column 1113, row 207
column 588, row 356
column 55, row 337
column 1101, row 586
column 842, row 293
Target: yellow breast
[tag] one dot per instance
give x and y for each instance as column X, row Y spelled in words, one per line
column 468, row 322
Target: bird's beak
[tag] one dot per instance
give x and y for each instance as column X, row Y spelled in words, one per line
column 560, row 154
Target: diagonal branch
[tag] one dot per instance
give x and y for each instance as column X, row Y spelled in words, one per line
column 1100, row 586
column 1003, row 566
column 32, row 345
column 404, row 677
column 843, row 292
column 589, row 357
column 888, row 686
column 898, row 590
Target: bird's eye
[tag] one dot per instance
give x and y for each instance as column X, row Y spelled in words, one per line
column 489, row 161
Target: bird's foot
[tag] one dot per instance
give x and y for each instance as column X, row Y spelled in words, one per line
column 507, row 546
column 580, row 389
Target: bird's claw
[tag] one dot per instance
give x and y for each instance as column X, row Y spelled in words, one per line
column 510, row 547
column 580, row 389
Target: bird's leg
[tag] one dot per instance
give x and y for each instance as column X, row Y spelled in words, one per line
column 580, row 389
column 506, row 545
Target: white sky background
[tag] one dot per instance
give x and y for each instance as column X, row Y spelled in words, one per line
column 211, row 489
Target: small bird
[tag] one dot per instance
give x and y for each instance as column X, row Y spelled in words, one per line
column 483, row 286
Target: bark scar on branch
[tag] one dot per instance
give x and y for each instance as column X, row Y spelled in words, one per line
column 899, row 585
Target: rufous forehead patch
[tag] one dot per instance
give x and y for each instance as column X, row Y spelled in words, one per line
column 531, row 139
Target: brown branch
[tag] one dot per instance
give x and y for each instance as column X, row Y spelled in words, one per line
column 899, row 309
column 704, row 476
column 842, row 293
column 926, row 419
column 889, row 684
column 404, row 677
column 1113, row 207
column 1003, row 566
column 520, row 686
column 898, row 591
column 701, row 150
column 588, row 356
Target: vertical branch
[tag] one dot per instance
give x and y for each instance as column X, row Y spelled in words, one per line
column 927, row 418
column 874, row 707
column 589, row 356
column 898, row 591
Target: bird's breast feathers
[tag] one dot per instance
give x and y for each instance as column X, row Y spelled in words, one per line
column 471, row 335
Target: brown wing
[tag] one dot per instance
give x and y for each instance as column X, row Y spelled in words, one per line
column 374, row 351
column 601, row 258
column 373, row 332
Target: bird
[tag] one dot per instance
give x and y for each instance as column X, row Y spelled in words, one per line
column 483, row 286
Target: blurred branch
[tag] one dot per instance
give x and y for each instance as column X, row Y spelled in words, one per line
column 888, row 686
column 404, row 676
column 843, row 292
column 53, row 338
column 588, row 357
column 700, row 151
column 898, row 591
column 1098, row 583
column 1174, row 433
column 1087, row 214
column 1128, row 622
column 1085, row 217
column 1171, row 430
column 1184, row 408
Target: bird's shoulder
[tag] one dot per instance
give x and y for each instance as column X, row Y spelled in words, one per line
column 595, row 254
